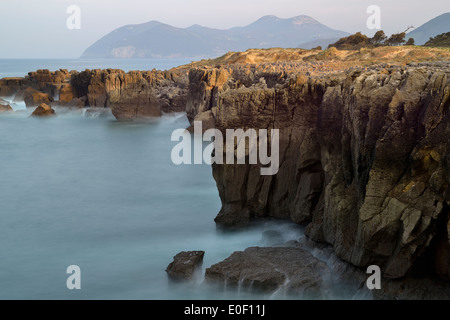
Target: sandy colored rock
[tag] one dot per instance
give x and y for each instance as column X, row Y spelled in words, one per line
column 43, row 110
column 33, row 97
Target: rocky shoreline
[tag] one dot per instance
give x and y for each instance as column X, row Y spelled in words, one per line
column 364, row 154
column 129, row 95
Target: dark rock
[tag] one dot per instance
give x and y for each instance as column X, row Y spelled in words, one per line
column 364, row 157
column 185, row 264
column 268, row 269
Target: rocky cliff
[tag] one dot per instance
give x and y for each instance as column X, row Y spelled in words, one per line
column 364, row 157
column 130, row 95
column 135, row 94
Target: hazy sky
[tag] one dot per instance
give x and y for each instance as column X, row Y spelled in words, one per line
column 37, row 29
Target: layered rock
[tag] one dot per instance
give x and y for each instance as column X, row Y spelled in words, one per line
column 135, row 94
column 364, row 157
column 130, row 95
column 10, row 86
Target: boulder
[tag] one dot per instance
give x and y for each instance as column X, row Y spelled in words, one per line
column 33, row 97
column 5, row 106
column 43, row 110
column 185, row 264
column 268, row 269
column 66, row 94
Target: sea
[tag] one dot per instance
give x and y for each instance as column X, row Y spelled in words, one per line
column 86, row 190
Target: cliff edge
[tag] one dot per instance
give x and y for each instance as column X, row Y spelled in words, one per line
column 364, row 155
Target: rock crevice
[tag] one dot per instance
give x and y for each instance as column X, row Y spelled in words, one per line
column 364, row 156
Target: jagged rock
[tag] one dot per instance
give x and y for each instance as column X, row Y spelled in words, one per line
column 33, row 97
column 5, row 106
column 67, row 94
column 364, row 157
column 185, row 264
column 43, row 110
column 268, row 269
column 9, row 86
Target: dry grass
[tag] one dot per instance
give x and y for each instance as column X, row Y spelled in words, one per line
column 338, row 59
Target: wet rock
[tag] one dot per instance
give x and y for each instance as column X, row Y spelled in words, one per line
column 5, row 106
column 185, row 264
column 364, row 157
column 43, row 110
column 33, row 97
column 268, row 269
column 67, row 94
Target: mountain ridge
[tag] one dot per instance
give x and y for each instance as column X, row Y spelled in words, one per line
column 431, row 28
column 156, row 39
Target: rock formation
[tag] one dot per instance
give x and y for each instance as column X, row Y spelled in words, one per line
column 185, row 264
column 43, row 110
column 5, row 106
column 130, row 95
column 364, row 157
column 33, row 97
column 267, row 269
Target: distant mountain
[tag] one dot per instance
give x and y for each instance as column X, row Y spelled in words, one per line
column 432, row 28
column 158, row 40
column 319, row 42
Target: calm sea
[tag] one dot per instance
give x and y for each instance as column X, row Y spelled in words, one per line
column 21, row 67
column 105, row 195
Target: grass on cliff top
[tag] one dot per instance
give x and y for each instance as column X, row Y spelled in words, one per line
column 364, row 56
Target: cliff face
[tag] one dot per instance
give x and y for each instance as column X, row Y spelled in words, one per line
column 364, row 157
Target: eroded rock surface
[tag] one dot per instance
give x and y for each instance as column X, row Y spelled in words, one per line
column 185, row 264
column 364, row 157
column 43, row 110
column 293, row 269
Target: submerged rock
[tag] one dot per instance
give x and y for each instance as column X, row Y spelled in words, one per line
column 43, row 110
column 268, row 269
column 185, row 264
column 5, row 106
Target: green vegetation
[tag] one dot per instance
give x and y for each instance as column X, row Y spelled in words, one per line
column 358, row 40
column 441, row 40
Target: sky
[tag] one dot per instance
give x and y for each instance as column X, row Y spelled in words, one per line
column 38, row 29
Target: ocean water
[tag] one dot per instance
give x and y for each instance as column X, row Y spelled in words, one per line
column 21, row 67
column 105, row 195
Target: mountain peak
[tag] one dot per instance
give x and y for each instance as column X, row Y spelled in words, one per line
column 303, row 19
column 432, row 28
column 156, row 39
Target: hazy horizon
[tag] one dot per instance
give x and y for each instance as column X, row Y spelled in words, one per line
column 38, row 29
